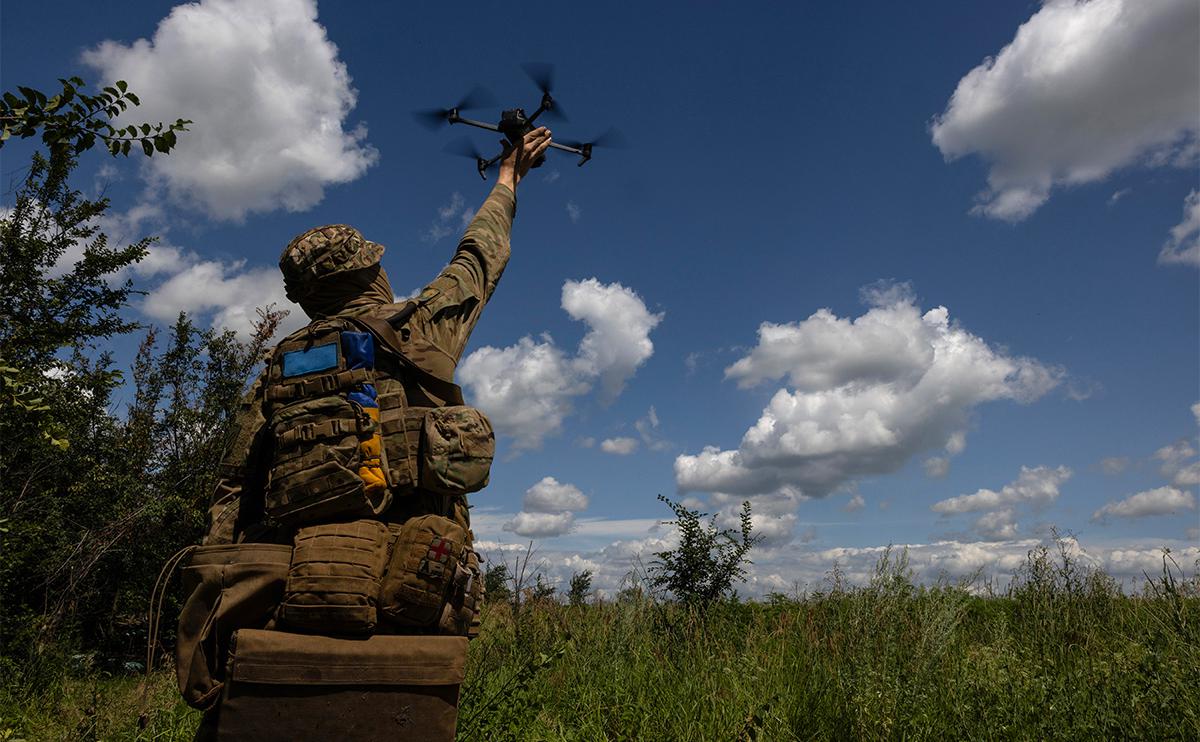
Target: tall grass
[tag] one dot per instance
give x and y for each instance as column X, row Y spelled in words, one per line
column 1060, row 654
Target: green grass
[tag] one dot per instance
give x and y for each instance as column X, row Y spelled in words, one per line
column 1061, row 655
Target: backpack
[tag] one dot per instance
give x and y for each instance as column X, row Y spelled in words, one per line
column 345, row 438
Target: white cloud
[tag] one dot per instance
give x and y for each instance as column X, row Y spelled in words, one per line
column 551, row 496
column 856, row 503
column 1176, row 465
column 547, row 510
column 1000, row 525
column 529, row 388
column 1158, row 501
column 1084, row 88
column 227, row 291
column 869, row 394
column 1184, row 245
column 267, row 94
column 526, row 389
column 541, row 525
column 1037, row 486
column 574, row 212
column 622, row 446
column 618, row 338
column 1196, row 412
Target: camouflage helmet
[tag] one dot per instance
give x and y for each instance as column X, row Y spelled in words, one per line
column 324, row 251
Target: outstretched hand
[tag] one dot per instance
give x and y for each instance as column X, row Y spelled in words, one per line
column 517, row 163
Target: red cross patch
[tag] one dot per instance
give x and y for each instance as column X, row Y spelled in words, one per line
column 439, row 550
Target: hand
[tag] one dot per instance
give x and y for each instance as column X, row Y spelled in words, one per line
column 517, row 163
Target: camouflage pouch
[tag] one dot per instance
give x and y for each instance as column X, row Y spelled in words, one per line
column 423, row 566
column 457, row 446
column 334, row 578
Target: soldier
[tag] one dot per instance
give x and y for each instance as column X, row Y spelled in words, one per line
column 340, row 506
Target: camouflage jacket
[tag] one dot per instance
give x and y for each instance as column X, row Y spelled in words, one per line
column 435, row 337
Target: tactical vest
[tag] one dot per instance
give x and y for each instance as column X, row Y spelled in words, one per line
column 357, row 427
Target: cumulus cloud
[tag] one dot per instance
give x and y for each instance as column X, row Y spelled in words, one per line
column 268, row 96
column 1084, row 88
column 1037, row 486
column 228, row 292
column 528, row 389
column 1183, row 247
column 936, row 467
column 856, row 503
column 622, row 446
column 1158, row 501
column 867, row 395
column 1000, row 525
column 551, row 496
column 647, row 428
column 1177, row 464
column 548, row 509
column 541, row 525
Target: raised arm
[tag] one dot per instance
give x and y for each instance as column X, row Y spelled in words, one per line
column 451, row 304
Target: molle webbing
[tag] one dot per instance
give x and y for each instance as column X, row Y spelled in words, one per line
column 319, row 386
column 325, row 429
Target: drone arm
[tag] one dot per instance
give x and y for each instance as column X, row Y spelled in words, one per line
column 454, row 118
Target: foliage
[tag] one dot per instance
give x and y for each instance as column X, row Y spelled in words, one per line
column 86, row 526
column 72, row 120
column 581, row 588
column 1066, row 656
column 495, row 583
column 708, row 560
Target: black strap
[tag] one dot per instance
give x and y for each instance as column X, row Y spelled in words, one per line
column 386, row 331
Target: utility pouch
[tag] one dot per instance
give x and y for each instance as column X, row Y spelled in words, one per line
column 424, row 562
column 285, row 687
column 228, row 587
column 460, row 614
column 334, row 577
column 457, row 446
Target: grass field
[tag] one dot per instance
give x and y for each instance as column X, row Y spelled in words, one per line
column 1061, row 654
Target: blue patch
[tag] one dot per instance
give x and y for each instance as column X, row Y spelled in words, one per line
column 301, row 362
column 358, row 348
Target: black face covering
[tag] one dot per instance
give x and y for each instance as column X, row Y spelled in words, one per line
column 349, row 290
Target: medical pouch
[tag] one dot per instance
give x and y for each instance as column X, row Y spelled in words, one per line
column 423, row 568
column 334, row 578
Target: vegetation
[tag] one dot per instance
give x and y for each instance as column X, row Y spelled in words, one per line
column 1061, row 654
column 708, row 561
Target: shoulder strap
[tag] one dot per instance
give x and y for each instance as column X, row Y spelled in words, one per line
column 386, row 331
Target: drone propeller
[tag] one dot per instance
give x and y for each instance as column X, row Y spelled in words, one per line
column 542, row 75
column 432, row 118
column 464, row 147
column 610, row 139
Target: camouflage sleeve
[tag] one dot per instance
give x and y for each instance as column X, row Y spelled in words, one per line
column 451, row 304
column 241, row 474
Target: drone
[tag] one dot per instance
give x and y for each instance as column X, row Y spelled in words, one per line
column 514, row 124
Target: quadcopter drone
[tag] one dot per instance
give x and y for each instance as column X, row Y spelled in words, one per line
column 514, row 123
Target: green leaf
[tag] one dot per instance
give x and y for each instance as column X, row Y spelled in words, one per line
column 12, row 100
column 170, row 137
column 112, row 92
column 122, row 86
column 145, row 128
column 133, row 99
column 160, row 144
column 125, row 147
column 147, row 147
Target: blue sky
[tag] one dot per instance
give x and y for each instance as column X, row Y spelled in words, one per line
column 1028, row 167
